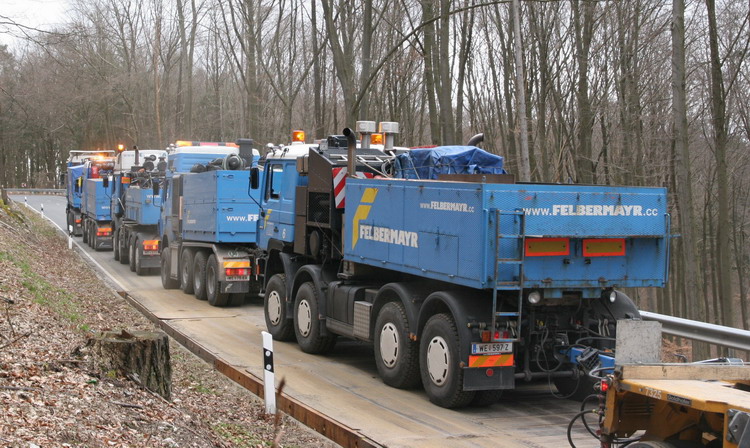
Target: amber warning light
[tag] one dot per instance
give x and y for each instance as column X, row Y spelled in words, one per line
column 298, row 136
column 376, row 139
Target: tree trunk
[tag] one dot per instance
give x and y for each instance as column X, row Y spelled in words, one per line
column 719, row 122
column 693, row 278
column 141, row 355
column 522, row 129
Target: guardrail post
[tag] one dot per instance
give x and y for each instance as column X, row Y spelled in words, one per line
column 269, row 383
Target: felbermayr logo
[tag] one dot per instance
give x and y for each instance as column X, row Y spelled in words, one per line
column 377, row 233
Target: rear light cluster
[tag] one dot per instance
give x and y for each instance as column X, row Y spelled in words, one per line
column 151, row 245
column 78, row 221
column 237, row 272
column 489, row 336
column 103, row 231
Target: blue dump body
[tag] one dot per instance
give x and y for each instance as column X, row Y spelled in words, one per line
column 141, row 206
column 97, row 201
column 595, row 236
column 74, row 197
column 218, row 207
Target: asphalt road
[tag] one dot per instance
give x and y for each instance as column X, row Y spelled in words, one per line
column 343, row 384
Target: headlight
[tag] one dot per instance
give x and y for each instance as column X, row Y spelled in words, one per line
column 534, row 297
column 612, row 296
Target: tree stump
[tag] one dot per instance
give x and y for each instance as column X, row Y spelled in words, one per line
column 140, row 355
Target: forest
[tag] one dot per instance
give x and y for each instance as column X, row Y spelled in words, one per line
column 620, row 92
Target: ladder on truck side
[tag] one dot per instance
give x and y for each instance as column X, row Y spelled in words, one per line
column 519, row 237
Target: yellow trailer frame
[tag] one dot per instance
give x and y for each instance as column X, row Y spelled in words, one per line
column 679, row 405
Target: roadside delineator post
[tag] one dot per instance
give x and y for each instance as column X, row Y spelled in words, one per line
column 42, row 209
column 269, row 383
column 70, row 237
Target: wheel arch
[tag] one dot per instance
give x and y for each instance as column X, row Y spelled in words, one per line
column 409, row 294
column 464, row 306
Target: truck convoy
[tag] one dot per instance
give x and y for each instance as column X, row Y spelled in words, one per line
column 463, row 280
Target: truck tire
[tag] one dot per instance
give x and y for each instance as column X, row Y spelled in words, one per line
column 396, row 356
column 116, row 245
column 484, row 398
column 186, row 271
column 166, row 281
column 213, row 289
column 442, row 376
column 278, row 323
column 307, row 322
column 199, row 275
column 132, row 252
column 124, row 250
column 139, row 269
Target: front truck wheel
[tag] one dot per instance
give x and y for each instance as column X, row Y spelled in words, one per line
column 199, row 274
column 307, row 321
column 167, row 282
column 213, row 287
column 439, row 363
column 278, row 323
column 186, row 271
column 396, row 356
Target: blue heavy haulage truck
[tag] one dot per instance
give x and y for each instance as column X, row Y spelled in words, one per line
column 96, row 197
column 208, row 222
column 136, row 209
column 74, row 187
column 465, row 283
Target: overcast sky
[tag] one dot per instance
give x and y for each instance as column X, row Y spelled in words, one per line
column 41, row 14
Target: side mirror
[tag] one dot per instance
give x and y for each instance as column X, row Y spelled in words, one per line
column 156, row 189
column 105, row 182
column 78, row 185
column 254, row 178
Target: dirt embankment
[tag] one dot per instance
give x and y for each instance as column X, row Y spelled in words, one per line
column 50, row 393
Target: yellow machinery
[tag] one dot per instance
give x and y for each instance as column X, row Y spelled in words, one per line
column 677, row 406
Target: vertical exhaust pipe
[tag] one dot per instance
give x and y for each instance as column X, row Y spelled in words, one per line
column 351, row 144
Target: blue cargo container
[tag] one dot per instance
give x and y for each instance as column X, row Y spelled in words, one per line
column 450, row 231
column 74, row 187
column 217, row 207
column 98, row 200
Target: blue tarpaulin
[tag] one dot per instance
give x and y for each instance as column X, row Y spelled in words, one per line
column 430, row 162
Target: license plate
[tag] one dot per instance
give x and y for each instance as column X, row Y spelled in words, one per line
column 151, row 252
column 491, row 348
column 239, row 278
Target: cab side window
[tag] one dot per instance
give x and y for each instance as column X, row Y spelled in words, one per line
column 277, row 174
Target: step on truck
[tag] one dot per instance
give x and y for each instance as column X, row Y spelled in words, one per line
column 74, row 187
column 136, row 209
column 465, row 283
column 208, row 222
column 96, row 198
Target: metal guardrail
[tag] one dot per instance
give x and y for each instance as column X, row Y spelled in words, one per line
column 702, row 331
column 56, row 191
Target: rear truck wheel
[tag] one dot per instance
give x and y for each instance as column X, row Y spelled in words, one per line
column 132, row 250
column 124, row 249
column 86, row 235
column 116, row 245
column 442, row 376
column 484, row 398
column 138, row 249
column 69, row 221
column 237, row 299
column 213, row 289
column 199, row 275
column 186, row 271
column 278, row 323
column 307, row 322
column 396, row 356
column 166, row 281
